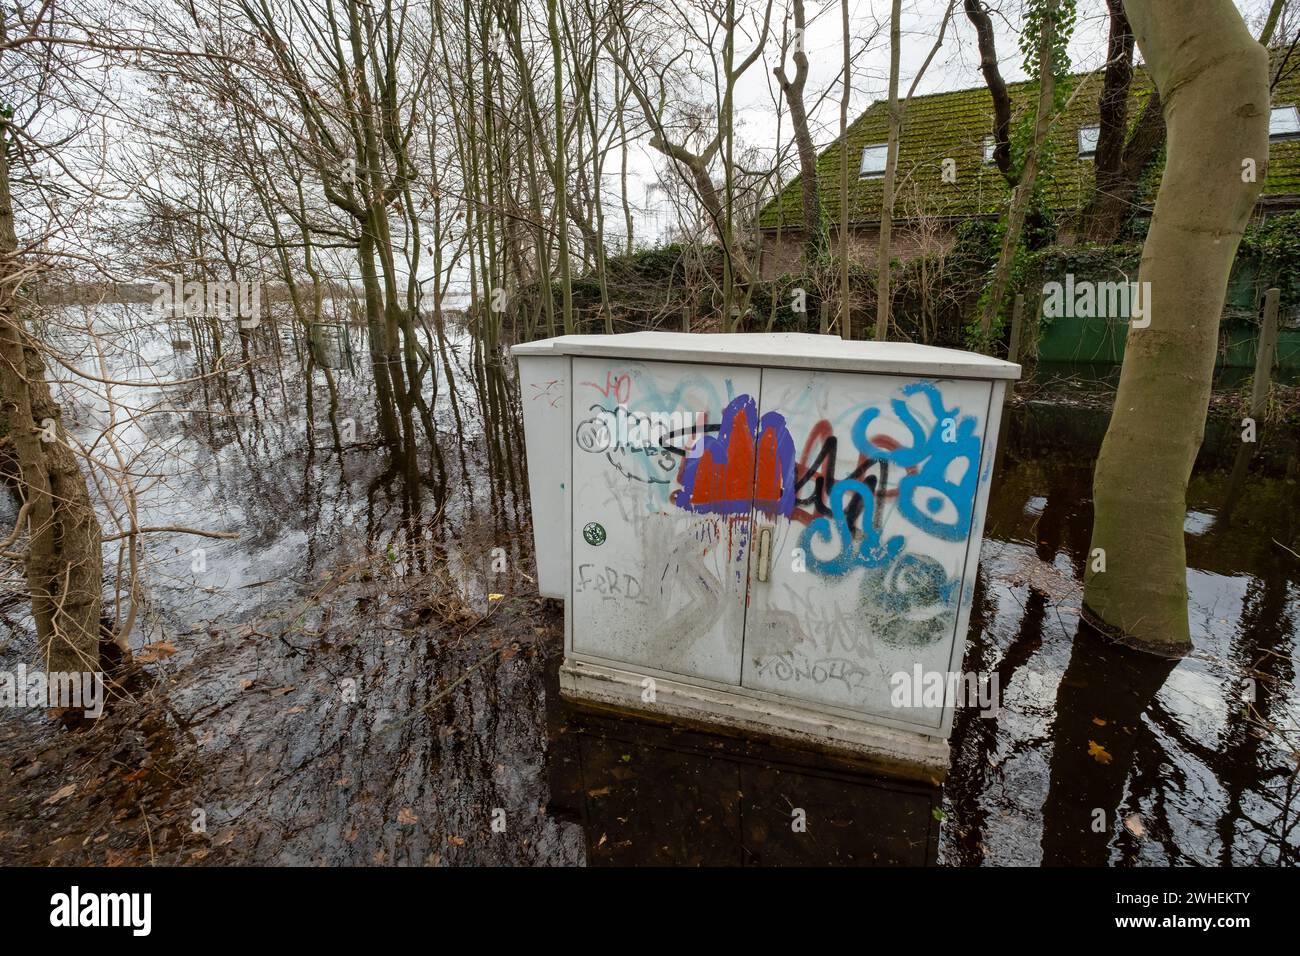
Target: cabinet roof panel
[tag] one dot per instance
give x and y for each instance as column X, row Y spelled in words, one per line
column 780, row 349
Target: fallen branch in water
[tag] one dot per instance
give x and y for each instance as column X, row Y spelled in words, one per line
column 174, row 529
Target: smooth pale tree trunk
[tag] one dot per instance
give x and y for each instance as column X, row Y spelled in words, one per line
column 1213, row 82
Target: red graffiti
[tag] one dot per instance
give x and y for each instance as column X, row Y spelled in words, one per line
column 620, row 386
column 729, row 481
column 768, row 490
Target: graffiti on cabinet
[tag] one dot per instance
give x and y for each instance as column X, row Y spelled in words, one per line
column 873, row 496
column 747, row 463
column 928, row 495
column 550, row 391
column 647, row 446
column 609, row 583
column 788, row 667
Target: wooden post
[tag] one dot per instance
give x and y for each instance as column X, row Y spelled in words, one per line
column 1264, row 348
column 1017, row 321
column 686, row 317
column 825, row 311
column 1264, row 355
column 1013, row 347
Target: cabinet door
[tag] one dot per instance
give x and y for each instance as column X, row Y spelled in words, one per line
column 868, row 535
column 663, row 475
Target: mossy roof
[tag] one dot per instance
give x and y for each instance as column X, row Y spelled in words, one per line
column 953, row 125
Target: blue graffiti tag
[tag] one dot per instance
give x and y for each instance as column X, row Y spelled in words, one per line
column 870, row 553
column 934, row 456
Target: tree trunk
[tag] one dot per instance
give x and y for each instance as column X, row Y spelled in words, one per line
column 846, row 322
column 978, row 15
column 65, row 565
column 1213, row 81
column 1024, row 190
column 1121, row 158
column 1112, row 109
column 1112, row 202
column 891, row 164
column 814, row 229
column 559, row 168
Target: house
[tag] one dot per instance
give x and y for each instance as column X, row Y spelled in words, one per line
column 957, row 126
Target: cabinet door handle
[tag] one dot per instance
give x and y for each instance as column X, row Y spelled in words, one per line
column 764, row 554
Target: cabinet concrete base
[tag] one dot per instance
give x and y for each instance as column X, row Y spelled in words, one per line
column 895, row 753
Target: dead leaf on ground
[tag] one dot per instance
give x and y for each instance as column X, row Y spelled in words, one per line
column 61, row 794
column 1097, row 752
column 1133, row 824
column 155, row 652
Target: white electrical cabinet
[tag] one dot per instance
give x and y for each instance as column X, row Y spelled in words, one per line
column 770, row 534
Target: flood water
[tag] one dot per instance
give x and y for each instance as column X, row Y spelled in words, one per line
column 361, row 679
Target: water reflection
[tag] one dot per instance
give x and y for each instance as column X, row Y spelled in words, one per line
column 1111, row 757
column 1099, row 741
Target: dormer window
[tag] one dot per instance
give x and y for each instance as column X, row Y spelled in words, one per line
column 1284, row 122
column 873, row 161
column 1088, row 136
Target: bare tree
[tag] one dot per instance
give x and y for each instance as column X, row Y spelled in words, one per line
column 897, row 115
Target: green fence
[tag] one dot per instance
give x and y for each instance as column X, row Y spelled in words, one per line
column 1100, row 339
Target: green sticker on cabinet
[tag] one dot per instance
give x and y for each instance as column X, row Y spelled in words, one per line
column 594, row 534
